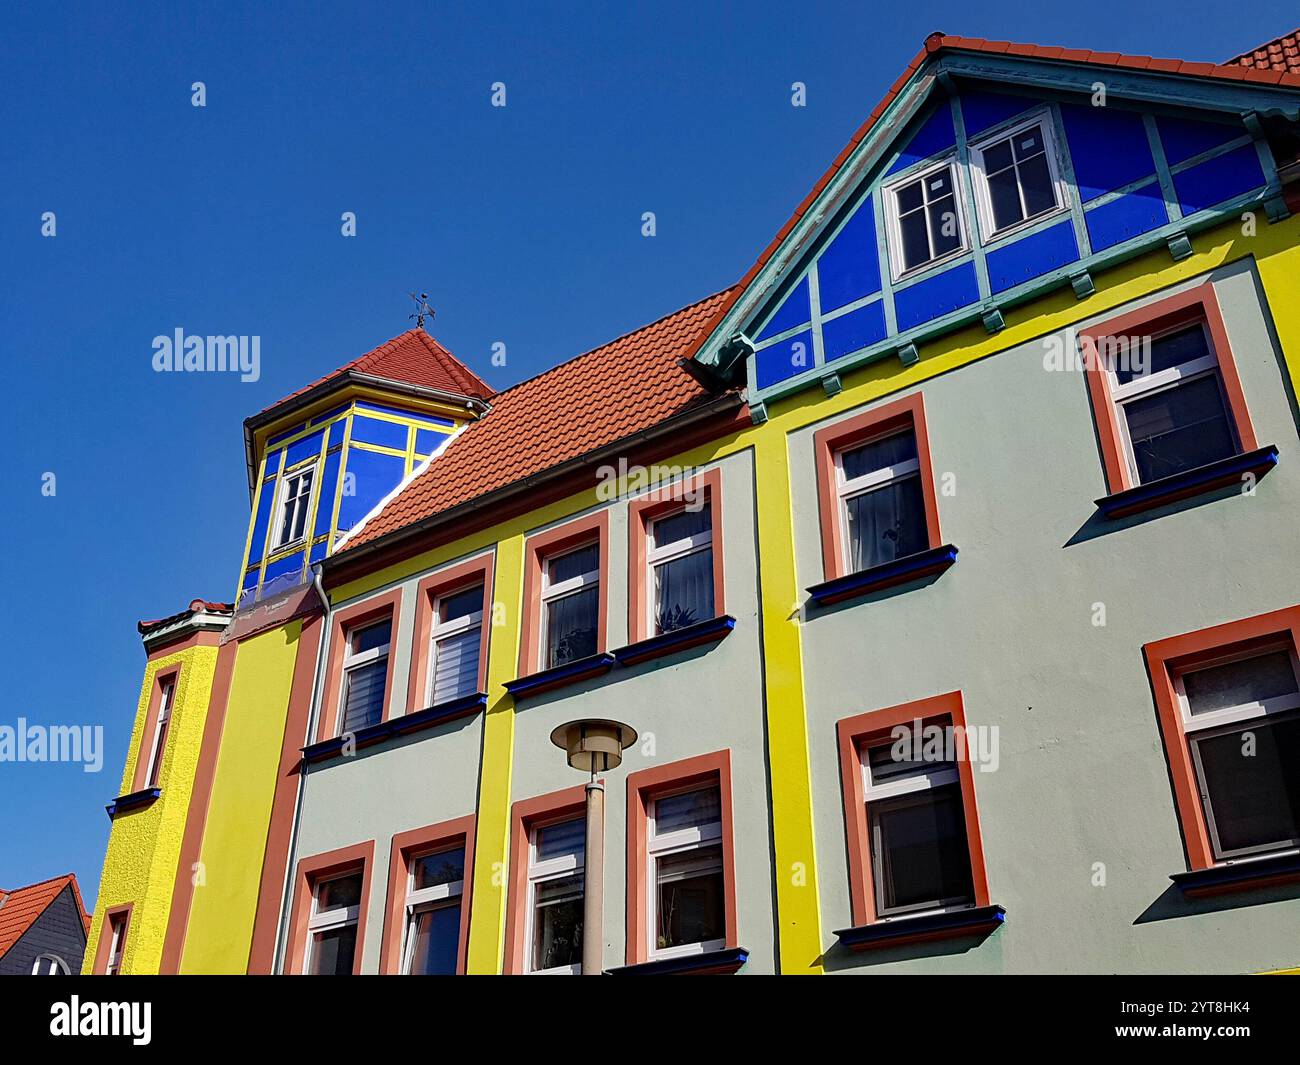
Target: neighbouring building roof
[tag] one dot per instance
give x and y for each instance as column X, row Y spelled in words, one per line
column 1281, row 55
column 20, row 908
column 197, row 606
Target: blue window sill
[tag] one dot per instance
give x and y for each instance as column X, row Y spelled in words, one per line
column 978, row 921
column 899, row 571
column 702, row 632
column 711, row 963
column 1244, row 875
column 559, row 676
column 137, row 800
column 1188, row 483
column 398, row 726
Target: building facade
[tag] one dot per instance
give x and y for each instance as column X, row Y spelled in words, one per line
column 944, row 565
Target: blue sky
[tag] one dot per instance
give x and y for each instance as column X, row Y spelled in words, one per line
column 523, row 223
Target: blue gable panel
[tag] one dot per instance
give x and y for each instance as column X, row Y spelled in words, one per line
column 935, row 135
column 849, row 267
column 374, row 476
column 328, row 487
column 303, row 449
column 1139, row 211
column 318, row 551
column 250, row 578
column 1032, row 256
column 286, row 434
column 936, row 296
column 982, row 110
column 1109, row 148
column 264, row 502
column 1183, row 138
column 374, row 431
column 1219, row 179
column 853, row 331
column 286, row 570
column 796, row 310
column 783, row 360
column 427, row 441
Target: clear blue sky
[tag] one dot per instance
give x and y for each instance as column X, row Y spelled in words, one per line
column 523, row 224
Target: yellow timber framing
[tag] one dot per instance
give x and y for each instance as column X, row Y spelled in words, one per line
column 799, row 931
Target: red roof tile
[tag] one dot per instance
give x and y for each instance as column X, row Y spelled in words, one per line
column 618, row 389
column 196, row 606
column 1282, row 55
column 21, row 907
column 413, row 358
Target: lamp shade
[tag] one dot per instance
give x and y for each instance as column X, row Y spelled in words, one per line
column 596, row 745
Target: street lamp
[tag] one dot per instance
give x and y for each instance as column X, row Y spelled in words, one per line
column 594, row 746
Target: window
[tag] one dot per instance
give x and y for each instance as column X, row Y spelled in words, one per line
column 166, row 695
column 457, row 643
column 555, row 892
column 436, row 883
column 365, row 675
column 295, row 507
column 570, row 606
column 49, row 965
column 925, row 220
column 117, row 923
column 332, row 927
column 1016, row 178
column 1165, row 391
column 914, row 842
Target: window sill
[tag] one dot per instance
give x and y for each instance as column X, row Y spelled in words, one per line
column 702, row 632
column 901, row 570
column 978, row 921
column 559, row 676
column 710, row 963
column 1241, row 875
column 397, row 726
column 1189, row 483
column 136, row 800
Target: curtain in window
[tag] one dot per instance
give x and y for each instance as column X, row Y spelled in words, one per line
column 886, row 523
column 1179, row 428
column 364, row 704
column 684, row 591
column 571, row 627
column 456, row 666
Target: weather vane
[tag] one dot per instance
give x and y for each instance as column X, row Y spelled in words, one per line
column 422, row 309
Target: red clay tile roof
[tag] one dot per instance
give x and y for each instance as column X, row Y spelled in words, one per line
column 196, row 606
column 620, row 388
column 1282, row 54
column 414, row 358
column 22, row 906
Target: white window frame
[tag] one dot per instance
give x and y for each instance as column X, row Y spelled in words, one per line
column 671, row 844
column 56, row 965
column 117, row 925
column 540, row 872
column 893, row 224
column 847, row 488
column 283, row 501
column 354, row 659
column 443, row 630
column 979, row 177
column 554, row 592
column 425, row 899
column 166, row 699
column 657, row 556
column 1230, row 719
column 329, row 920
column 942, row 775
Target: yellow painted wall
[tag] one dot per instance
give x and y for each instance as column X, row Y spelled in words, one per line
column 144, row 844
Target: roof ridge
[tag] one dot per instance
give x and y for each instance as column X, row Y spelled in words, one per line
column 1250, row 53
column 42, row 883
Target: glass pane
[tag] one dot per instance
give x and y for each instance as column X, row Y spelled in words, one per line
column 885, row 765
column 1172, row 349
column 571, row 627
column 690, row 898
column 434, row 870
column 910, row 197
column 300, row 515
column 916, row 240
column 938, row 186
column 687, row 810
column 1179, row 428
column 681, row 526
column 363, row 704
column 436, row 941
column 919, row 852
column 1036, row 181
column 1249, row 681
column 562, row 838
column 339, row 892
column 455, row 667
column 878, row 455
column 1004, row 196
column 886, row 523
column 1251, row 780
column 574, row 564
column 557, row 923
column 371, row 636
column 1028, row 143
column 944, row 228
column 460, row 605
column 684, row 591
column 332, row 951
column 997, row 157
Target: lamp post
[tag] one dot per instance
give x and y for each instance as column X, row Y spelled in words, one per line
column 594, row 746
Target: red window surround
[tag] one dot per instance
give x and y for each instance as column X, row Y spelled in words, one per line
column 1196, row 304
column 408, row 845
column 344, row 621
column 538, row 549
column 908, row 412
column 114, row 916
column 854, row 732
column 140, row 779
column 643, row 511
column 642, row 788
column 1165, row 659
column 465, row 574
column 310, row 872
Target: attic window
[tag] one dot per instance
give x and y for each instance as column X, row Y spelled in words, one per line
column 1016, row 178
column 924, row 220
column 295, row 505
